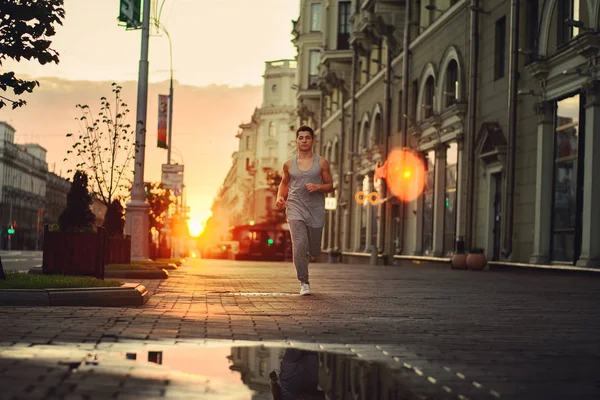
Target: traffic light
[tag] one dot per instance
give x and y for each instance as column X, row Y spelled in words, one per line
column 270, row 242
column 11, row 231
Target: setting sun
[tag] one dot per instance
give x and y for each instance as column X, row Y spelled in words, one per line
column 195, row 227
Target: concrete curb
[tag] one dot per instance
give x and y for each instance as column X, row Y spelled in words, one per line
column 165, row 266
column 130, row 294
column 137, row 274
column 124, row 274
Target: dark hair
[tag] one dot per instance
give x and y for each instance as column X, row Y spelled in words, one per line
column 305, row 128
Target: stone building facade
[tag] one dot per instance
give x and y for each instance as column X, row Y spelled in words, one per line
column 23, row 171
column 497, row 98
column 31, row 195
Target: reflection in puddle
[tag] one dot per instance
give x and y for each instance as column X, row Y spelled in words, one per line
column 180, row 372
column 285, row 373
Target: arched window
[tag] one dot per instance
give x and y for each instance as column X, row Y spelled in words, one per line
column 452, row 85
column 428, row 97
column 365, row 137
column 334, row 152
column 377, row 134
column 272, row 132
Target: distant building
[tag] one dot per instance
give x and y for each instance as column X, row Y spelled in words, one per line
column 265, row 142
column 23, row 172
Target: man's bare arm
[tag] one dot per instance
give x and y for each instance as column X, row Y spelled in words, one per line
column 327, row 185
column 284, row 185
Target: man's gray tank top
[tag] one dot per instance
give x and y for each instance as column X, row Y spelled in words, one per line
column 301, row 204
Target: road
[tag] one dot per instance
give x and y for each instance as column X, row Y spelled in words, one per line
column 455, row 334
column 20, row 260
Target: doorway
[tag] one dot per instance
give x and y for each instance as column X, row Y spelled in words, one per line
column 395, row 234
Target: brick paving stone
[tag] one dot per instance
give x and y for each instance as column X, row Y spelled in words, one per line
column 523, row 334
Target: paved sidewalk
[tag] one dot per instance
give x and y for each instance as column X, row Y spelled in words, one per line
column 526, row 335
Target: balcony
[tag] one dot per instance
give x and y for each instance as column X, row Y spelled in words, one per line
column 267, row 163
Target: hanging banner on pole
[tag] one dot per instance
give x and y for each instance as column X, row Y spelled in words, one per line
column 163, row 105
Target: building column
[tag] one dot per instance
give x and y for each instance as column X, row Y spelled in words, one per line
column 370, row 210
column 460, row 193
column 590, row 235
column 543, row 187
column 439, row 196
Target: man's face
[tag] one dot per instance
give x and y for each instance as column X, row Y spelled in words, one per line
column 304, row 141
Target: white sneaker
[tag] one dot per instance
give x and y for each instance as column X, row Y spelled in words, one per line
column 304, row 289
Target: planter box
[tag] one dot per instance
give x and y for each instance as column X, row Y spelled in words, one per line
column 75, row 253
column 119, row 250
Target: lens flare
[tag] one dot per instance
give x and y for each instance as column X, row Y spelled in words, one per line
column 405, row 175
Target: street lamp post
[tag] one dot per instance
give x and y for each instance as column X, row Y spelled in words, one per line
column 170, row 127
column 137, row 223
column 167, row 227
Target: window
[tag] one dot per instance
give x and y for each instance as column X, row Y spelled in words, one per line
column 568, row 177
column 334, row 153
column 451, row 83
column 248, row 142
column 272, row 132
column 416, row 18
column 531, row 16
column 363, row 215
column 343, row 25
column 450, row 198
column 414, row 91
column 567, row 9
column 428, row 97
column 428, row 192
column 315, row 17
column 365, row 137
column 313, row 69
column 274, row 88
column 377, row 131
column 500, row 48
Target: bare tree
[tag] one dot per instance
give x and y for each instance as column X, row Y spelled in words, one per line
column 105, row 147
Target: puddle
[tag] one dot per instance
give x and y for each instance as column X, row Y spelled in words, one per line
column 181, row 372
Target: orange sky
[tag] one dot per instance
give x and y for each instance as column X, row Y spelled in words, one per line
column 219, row 51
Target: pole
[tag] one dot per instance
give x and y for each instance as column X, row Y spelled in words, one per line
column 137, row 209
column 404, row 117
column 512, row 128
column 10, row 223
column 471, row 122
column 170, row 119
column 170, row 133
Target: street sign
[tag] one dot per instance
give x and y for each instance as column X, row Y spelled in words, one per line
column 171, row 178
column 177, row 187
column 172, row 168
column 330, row 203
column 130, row 13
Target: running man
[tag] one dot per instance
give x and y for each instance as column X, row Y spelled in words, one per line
column 306, row 178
